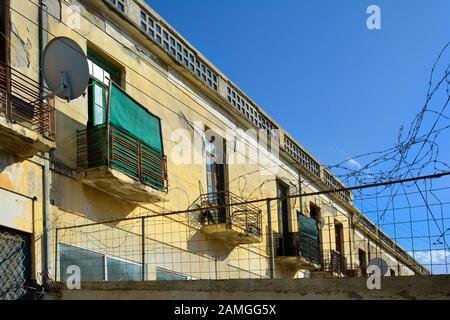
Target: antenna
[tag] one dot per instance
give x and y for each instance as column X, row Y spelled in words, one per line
column 66, row 69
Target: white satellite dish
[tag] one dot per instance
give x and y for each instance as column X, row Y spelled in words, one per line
column 66, row 69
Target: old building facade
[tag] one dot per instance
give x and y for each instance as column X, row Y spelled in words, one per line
column 144, row 141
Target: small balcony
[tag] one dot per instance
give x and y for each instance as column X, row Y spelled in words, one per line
column 298, row 251
column 234, row 224
column 336, row 265
column 116, row 162
column 27, row 122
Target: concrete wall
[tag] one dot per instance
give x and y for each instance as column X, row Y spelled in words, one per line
column 401, row 288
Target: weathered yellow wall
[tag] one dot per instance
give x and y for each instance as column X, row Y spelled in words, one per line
column 166, row 94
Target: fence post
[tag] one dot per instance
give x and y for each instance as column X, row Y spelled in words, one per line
column 143, row 247
column 271, row 242
column 56, row 254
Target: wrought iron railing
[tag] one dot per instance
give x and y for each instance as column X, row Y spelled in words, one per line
column 20, row 101
column 338, row 263
column 295, row 244
column 226, row 208
column 108, row 145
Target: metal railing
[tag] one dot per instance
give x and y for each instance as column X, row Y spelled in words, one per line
column 295, row 244
column 109, row 145
column 338, row 263
column 245, row 217
column 20, row 101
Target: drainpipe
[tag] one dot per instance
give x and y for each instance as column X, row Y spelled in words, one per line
column 43, row 40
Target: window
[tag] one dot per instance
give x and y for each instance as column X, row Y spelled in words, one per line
column 339, row 233
column 119, row 4
column 362, row 261
column 392, row 272
column 96, row 266
column 216, row 174
column 101, row 72
column 91, row 264
column 283, row 208
column 314, row 212
column 121, row 270
column 166, row 275
column 175, row 48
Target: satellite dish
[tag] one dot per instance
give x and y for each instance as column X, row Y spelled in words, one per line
column 66, row 69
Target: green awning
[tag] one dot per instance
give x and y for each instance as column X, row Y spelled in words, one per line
column 129, row 115
column 307, row 226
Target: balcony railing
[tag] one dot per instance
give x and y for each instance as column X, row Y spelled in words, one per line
column 224, row 208
column 110, row 146
column 296, row 244
column 338, row 263
column 20, row 102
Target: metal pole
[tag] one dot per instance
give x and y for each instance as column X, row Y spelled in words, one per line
column 143, row 248
column 56, row 254
column 271, row 242
column 300, row 195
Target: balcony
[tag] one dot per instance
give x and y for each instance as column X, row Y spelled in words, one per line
column 116, row 162
column 234, row 224
column 27, row 123
column 297, row 250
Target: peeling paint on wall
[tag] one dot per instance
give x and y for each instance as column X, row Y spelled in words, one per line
column 21, row 48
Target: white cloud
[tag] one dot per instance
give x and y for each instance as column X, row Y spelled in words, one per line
column 432, row 256
column 354, row 163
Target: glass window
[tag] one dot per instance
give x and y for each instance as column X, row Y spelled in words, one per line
column 99, row 104
column 121, row 270
column 91, row 264
column 166, row 275
column 96, row 266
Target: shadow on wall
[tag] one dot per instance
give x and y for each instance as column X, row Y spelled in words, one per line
column 69, row 194
column 199, row 243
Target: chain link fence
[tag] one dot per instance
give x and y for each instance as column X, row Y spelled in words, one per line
column 13, row 266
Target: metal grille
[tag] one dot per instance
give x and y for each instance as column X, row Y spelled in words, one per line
column 20, row 102
column 177, row 48
column 301, row 156
column 13, row 266
column 251, row 113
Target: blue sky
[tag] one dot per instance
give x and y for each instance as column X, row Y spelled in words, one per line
column 338, row 87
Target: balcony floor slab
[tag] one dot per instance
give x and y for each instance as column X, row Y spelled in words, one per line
column 22, row 141
column 298, row 262
column 120, row 185
column 229, row 234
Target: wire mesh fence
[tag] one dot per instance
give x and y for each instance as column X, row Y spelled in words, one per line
column 13, row 266
column 402, row 228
